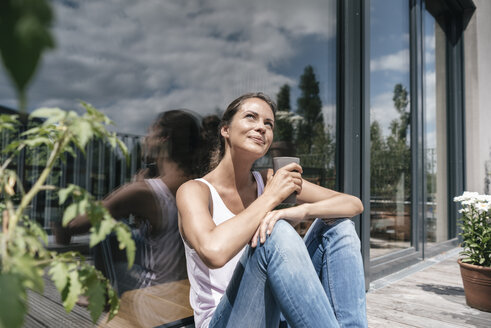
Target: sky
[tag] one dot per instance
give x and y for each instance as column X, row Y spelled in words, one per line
column 389, row 63
column 133, row 59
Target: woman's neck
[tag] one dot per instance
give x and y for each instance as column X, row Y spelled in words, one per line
column 172, row 175
column 234, row 172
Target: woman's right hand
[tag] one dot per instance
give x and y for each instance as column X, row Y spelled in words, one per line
column 284, row 182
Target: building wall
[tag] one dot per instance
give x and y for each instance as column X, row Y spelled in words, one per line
column 477, row 45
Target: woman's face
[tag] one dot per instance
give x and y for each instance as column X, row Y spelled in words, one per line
column 251, row 128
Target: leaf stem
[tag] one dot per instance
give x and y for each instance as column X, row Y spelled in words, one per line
column 58, row 146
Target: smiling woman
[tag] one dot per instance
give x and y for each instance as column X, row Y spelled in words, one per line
column 243, row 257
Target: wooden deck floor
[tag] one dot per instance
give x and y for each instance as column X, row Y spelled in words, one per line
column 432, row 297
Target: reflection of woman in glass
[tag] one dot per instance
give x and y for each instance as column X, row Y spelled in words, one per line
column 317, row 284
column 172, row 145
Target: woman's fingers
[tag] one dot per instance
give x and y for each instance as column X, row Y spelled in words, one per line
column 254, row 238
column 263, row 227
column 272, row 222
column 292, row 167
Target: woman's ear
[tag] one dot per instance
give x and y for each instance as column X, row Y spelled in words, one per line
column 224, row 131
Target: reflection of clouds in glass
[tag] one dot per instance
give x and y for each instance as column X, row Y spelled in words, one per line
column 382, row 110
column 430, row 109
column 329, row 113
column 398, row 61
column 133, row 59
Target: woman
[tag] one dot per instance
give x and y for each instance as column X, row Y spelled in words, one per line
column 170, row 144
column 320, row 284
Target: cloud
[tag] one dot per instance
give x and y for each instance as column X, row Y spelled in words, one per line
column 382, row 110
column 398, row 62
column 132, row 59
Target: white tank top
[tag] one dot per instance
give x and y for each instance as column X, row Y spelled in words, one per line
column 162, row 251
column 209, row 285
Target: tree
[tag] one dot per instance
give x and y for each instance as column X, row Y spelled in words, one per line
column 391, row 156
column 309, row 106
column 283, row 126
column 283, row 98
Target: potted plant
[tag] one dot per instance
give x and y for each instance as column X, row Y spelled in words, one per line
column 24, row 258
column 475, row 264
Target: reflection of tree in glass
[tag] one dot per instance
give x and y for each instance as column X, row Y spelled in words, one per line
column 283, row 126
column 314, row 143
column 391, row 156
column 310, row 108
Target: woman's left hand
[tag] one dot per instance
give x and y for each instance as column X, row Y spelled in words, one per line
column 295, row 214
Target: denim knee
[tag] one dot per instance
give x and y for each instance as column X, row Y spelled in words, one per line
column 285, row 238
column 343, row 234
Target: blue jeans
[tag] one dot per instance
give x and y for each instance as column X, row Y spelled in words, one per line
column 319, row 283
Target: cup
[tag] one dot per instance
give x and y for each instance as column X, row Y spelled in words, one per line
column 279, row 162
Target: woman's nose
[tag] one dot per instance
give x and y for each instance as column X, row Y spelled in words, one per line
column 260, row 126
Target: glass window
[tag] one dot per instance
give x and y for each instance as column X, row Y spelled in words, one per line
column 435, row 131
column 390, row 131
column 133, row 60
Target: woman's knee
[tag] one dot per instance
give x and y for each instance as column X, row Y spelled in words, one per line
column 343, row 235
column 284, row 234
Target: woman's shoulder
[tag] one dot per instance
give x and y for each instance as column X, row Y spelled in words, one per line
column 193, row 188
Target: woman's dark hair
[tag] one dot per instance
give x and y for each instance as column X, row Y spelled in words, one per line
column 219, row 150
column 175, row 133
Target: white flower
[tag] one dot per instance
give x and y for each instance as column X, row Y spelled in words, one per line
column 466, row 197
column 468, row 202
column 482, row 207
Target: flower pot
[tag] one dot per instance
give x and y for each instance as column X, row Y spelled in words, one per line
column 477, row 285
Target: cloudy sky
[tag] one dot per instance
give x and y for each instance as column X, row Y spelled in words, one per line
column 389, row 63
column 133, row 59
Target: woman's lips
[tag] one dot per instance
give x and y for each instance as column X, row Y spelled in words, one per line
column 258, row 140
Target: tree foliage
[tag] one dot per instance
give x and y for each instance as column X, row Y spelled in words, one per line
column 391, row 155
column 309, row 106
column 283, row 124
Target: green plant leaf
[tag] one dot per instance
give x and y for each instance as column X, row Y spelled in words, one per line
column 32, row 275
column 113, row 301
column 13, row 302
column 8, row 122
column 73, row 210
column 59, row 275
column 74, row 289
column 82, row 131
column 64, row 193
column 99, row 231
column 24, row 36
column 126, row 242
column 55, row 113
column 96, row 292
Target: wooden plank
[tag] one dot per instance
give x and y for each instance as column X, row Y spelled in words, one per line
column 437, row 311
column 152, row 306
column 374, row 321
column 53, row 314
column 387, row 312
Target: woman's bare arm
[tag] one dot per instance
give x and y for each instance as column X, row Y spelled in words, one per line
column 216, row 245
column 315, row 202
column 132, row 199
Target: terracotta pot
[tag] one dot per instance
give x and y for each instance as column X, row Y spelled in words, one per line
column 477, row 285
